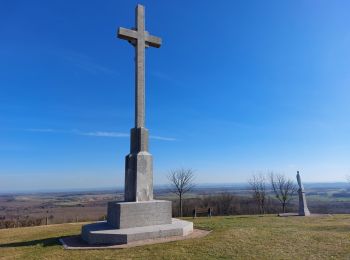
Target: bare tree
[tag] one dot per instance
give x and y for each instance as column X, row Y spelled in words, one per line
column 182, row 181
column 258, row 186
column 283, row 188
column 224, row 203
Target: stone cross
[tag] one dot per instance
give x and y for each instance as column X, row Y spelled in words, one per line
column 138, row 217
column 140, row 39
column 138, row 164
column 303, row 209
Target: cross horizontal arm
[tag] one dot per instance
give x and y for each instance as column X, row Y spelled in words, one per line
column 127, row 34
column 153, row 41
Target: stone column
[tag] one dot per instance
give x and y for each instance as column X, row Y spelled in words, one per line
column 139, row 168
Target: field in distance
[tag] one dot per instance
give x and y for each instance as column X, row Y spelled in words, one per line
column 63, row 207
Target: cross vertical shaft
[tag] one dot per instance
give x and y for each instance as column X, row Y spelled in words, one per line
column 140, row 68
column 140, row 39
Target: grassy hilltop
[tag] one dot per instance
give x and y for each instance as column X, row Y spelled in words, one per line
column 242, row 237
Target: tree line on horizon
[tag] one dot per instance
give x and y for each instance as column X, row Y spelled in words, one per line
column 269, row 193
column 283, row 189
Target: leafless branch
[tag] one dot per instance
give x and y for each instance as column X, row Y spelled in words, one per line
column 258, row 186
column 283, row 188
column 182, row 181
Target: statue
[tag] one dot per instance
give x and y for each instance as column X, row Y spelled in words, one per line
column 303, row 209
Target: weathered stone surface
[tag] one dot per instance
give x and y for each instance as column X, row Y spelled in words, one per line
column 102, row 233
column 139, row 140
column 138, row 164
column 303, row 209
column 138, row 214
column 138, row 168
column 75, row 242
column 138, row 177
column 140, row 39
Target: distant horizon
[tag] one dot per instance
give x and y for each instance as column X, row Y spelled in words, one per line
column 156, row 187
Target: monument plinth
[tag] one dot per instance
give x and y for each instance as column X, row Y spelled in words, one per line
column 139, row 214
column 138, row 217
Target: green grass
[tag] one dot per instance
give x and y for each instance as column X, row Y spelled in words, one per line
column 233, row 237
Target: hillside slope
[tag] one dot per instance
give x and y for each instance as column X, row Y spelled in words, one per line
column 242, row 237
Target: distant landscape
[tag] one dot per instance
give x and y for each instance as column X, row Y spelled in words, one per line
column 31, row 209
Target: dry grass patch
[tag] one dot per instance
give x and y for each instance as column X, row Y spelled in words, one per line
column 233, row 237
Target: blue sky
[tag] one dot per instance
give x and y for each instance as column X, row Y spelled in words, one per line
column 237, row 88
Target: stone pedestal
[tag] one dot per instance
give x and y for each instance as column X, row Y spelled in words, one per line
column 138, row 214
column 101, row 233
column 134, row 221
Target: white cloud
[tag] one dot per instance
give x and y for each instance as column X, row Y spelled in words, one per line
column 44, row 130
column 105, row 134
column 162, row 138
column 96, row 133
column 85, row 62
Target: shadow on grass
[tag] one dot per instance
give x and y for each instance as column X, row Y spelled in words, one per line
column 52, row 241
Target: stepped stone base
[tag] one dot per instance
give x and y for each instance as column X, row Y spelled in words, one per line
column 101, row 233
column 294, row 214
